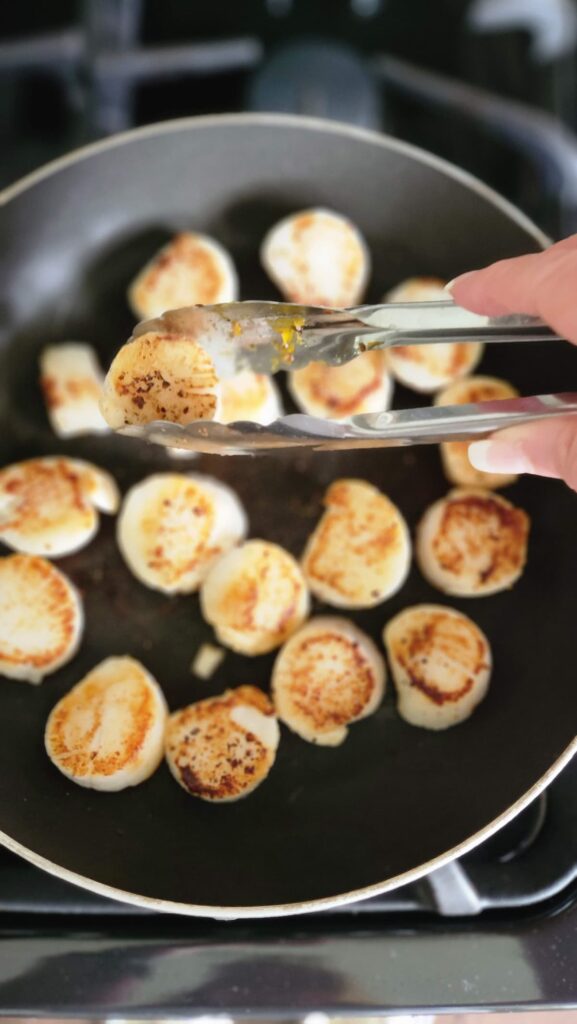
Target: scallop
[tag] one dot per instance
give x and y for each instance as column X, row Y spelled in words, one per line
column 440, row 662
column 317, row 257
column 360, row 553
column 472, row 543
column 327, row 676
column 222, row 748
column 192, row 269
column 426, row 368
column 418, row 289
column 107, row 732
column 255, row 597
column 71, row 380
column 159, row 375
column 339, row 392
column 41, row 618
column 49, row 506
column 454, row 454
column 249, row 396
column 173, row 527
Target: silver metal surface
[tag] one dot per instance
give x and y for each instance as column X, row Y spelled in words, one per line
column 372, row 430
column 269, row 336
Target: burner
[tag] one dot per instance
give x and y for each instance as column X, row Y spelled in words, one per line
column 513, row 839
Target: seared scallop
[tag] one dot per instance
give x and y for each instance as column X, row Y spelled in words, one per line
column 454, row 454
column 440, row 663
column 339, row 392
column 107, row 733
column 472, row 543
column 317, row 257
column 360, row 552
column 427, row 368
column 255, row 597
column 222, row 748
column 327, row 676
column 41, row 618
column 71, row 380
column 418, row 289
column 190, row 270
column 160, row 376
column 249, row 396
column 173, row 527
column 49, row 506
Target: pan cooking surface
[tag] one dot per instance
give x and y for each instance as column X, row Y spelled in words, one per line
column 327, row 821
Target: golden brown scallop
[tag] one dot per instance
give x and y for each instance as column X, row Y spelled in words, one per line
column 222, row 748
column 360, row 552
column 160, row 376
column 426, row 368
column 49, row 506
column 41, row 618
column 191, row 269
column 327, row 676
column 440, row 663
column 472, row 543
column 107, row 732
column 173, row 527
column 255, row 597
column 249, row 396
column 71, row 380
column 339, row 392
column 454, row 454
column 317, row 257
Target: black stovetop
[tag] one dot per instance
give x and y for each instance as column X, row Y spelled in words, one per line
column 496, row 930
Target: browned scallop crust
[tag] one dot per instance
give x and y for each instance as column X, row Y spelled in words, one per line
column 360, row 551
column 455, row 639
column 47, row 493
column 59, row 393
column 441, row 665
column 338, row 392
column 291, row 258
column 69, row 376
column 255, row 597
column 212, row 753
column 48, row 505
column 327, row 676
column 160, row 376
column 41, row 617
column 107, row 733
column 350, row 689
column 473, row 542
column 459, row 359
column 185, row 272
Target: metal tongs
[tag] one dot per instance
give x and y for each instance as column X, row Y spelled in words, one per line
column 268, row 336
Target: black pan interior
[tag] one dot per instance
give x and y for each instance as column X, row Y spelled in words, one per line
column 327, row 821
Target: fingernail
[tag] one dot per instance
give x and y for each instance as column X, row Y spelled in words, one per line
column 496, row 456
column 451, row 284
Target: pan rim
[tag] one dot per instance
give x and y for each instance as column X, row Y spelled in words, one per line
column 381, row 139
column 228, row 913
column 533, row 231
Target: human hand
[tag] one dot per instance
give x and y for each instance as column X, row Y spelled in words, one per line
column 542, row 284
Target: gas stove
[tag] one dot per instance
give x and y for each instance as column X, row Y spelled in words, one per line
column 497, row 929
column 495, row 93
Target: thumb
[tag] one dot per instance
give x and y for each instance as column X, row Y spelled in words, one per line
column 547, row 449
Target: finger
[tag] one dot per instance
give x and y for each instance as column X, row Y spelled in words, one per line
column 540, row 284
column 548, row 449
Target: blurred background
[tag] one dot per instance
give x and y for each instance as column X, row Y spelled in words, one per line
column 489, row 84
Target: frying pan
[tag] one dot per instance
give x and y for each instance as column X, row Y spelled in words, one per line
column 394, row 801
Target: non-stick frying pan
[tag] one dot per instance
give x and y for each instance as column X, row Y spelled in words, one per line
column 329, row 825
